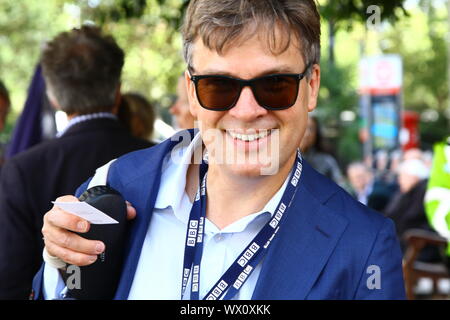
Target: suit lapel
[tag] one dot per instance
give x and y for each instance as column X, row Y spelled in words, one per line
column 142, row 189
column 138, row 231
column 303, row 246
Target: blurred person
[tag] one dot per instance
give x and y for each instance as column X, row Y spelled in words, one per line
column 381, row 161
column 212, row 230
column 82, row 70
column 180, row 109
column 360, row 178
column 366, row 189
column 395, row 160
column 427, row 157
column 389, row 171
column 410, row 172
column 406, row 208
column 137, row 114
column 5, row 106
column 384, row 168
column 313, row 151
column 385, row 171
column 437, row 198
column 413, row 153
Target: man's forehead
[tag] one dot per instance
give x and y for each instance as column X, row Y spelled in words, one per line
column 250, row 57
column 282, row 68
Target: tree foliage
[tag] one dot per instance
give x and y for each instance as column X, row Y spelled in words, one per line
column 344, row 12
column 337, row 95
column 24, row 28
column 347, row 12
column 421, row 41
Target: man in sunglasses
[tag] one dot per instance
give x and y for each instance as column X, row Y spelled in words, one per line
column 245, row 217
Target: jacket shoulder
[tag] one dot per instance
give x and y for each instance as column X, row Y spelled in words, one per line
column 341, row 203
column 136, row 165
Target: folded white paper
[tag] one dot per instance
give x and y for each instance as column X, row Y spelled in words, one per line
column 86, row 211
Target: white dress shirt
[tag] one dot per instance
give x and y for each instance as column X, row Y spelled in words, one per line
column 86, row 117
column 159, row 270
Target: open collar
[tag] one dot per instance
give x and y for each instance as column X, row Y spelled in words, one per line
column 173, row 181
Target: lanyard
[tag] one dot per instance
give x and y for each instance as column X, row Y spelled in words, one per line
column 239, row 271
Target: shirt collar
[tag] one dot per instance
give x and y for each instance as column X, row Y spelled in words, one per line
column 270, row 207
column 173, row 182
column 173, row 178
column 86, row 117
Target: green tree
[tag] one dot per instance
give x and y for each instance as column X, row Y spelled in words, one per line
column 344, row 14
column 147, row 30
column 420, row 40
column 337, row 94
column 24, row 28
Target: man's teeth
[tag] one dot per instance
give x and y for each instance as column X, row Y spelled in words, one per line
column 249, row 137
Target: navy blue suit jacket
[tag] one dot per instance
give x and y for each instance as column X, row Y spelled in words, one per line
column 33, row 178
column 330, row 246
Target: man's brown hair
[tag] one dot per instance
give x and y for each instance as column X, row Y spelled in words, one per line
column 225, row 22
column 82, row 69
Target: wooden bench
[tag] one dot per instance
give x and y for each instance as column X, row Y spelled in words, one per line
column 416, row 240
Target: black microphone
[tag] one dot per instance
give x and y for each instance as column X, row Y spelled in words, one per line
column 99, row 280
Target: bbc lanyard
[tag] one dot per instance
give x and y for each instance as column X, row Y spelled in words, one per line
column 239, row 271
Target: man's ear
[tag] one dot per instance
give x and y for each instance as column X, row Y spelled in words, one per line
column 313, row 87
column 190, row 88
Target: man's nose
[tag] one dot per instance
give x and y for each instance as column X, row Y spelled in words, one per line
column 247, row 108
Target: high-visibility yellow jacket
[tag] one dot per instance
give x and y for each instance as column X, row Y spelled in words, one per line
column 437, row 198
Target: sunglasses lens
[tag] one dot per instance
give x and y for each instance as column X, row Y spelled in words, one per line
column 276, row 92
column 217, row 92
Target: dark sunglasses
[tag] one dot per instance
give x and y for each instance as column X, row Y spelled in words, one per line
column 272, row 92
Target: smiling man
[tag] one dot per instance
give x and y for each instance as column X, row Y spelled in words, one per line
column 223, row 227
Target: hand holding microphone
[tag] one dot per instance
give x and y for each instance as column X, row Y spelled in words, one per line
column 62, row 242
column 97, row 248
